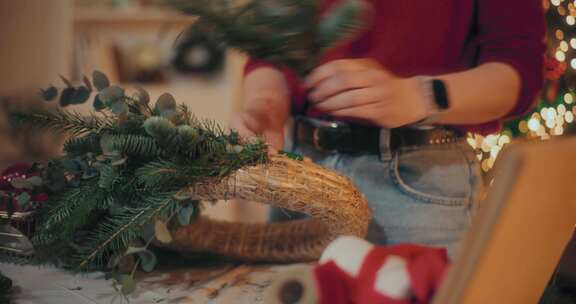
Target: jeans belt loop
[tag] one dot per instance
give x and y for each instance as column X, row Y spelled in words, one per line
column 385, row 149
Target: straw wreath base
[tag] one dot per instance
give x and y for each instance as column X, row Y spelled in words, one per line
column 335, row 207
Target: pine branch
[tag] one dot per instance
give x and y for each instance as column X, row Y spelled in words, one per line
column 66, row 205
column 135, row 145
column 115, row 234
column 62, row 121
column 121, row 170
column 83, row 145
column 159, row 174
column 68, row 213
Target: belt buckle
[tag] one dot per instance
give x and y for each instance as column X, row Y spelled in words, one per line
column 326, row 127
column 316, row 140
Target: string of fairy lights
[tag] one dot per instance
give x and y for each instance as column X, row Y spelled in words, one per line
column 556, row 112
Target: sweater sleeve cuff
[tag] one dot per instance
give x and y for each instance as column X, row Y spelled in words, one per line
column 531, row 81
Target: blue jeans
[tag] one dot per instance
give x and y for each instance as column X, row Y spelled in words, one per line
column 424, row 195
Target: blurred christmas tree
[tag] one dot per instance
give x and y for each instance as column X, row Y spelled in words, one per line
column 554, row 114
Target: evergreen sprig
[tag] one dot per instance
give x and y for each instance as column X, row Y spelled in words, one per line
column 62, row 121
column 122, row 168
column 116, row 233
column 288, row 33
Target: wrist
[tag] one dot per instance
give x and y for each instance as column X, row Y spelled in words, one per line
column 433, row 98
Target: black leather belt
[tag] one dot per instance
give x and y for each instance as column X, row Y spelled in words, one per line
column 354, row 138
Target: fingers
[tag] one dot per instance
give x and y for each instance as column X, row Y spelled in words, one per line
column 239, row 125
column 275, row 141
column 250, row 129
column 336, row 67
column 342, row 82
column 349, row 99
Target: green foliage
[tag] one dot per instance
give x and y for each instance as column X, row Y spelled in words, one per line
column 148, row 259
column 284, row 32
column 339, row 23
column 63, row 121
column 100, row 80
column 49, row 93
column 121, row 172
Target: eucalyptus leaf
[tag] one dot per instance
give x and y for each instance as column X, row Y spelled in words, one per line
column 148, row 259
column 80, row 95
column 185, row 214
column 147, row 232
column 165, row 102
column 50, row 93
column 128, row 284
column 98, row 104
column 142, row 96
column 161, row 232
column 35, row 181
column 21, row 183
column 119, row 107
column 111, row 94
column 66, row 97
column 168, row 114
column 100, row 80
column 23, row 199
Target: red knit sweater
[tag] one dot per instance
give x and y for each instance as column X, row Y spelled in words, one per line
column 415, row 37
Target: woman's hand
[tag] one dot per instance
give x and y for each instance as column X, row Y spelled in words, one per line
column 266, row 107
column 362, row 89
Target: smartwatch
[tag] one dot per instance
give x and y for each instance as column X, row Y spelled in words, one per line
column 440, row 95
column 434, row 97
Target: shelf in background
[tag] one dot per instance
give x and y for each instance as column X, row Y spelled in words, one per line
column 155, row 17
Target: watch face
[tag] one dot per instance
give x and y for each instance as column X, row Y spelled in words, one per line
column 440, row 94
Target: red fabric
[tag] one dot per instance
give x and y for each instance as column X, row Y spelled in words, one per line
column 438, row 37
column 334, row 285
column 426, row 267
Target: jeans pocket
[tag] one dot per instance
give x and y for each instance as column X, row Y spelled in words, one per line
column 441, row 175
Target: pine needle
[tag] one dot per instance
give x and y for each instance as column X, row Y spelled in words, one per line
column 143, row 216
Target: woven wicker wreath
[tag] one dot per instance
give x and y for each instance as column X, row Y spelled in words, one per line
column 336, row 208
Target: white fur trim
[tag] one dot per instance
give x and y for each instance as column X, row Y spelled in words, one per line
column 348, row 252
column 392, row 279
